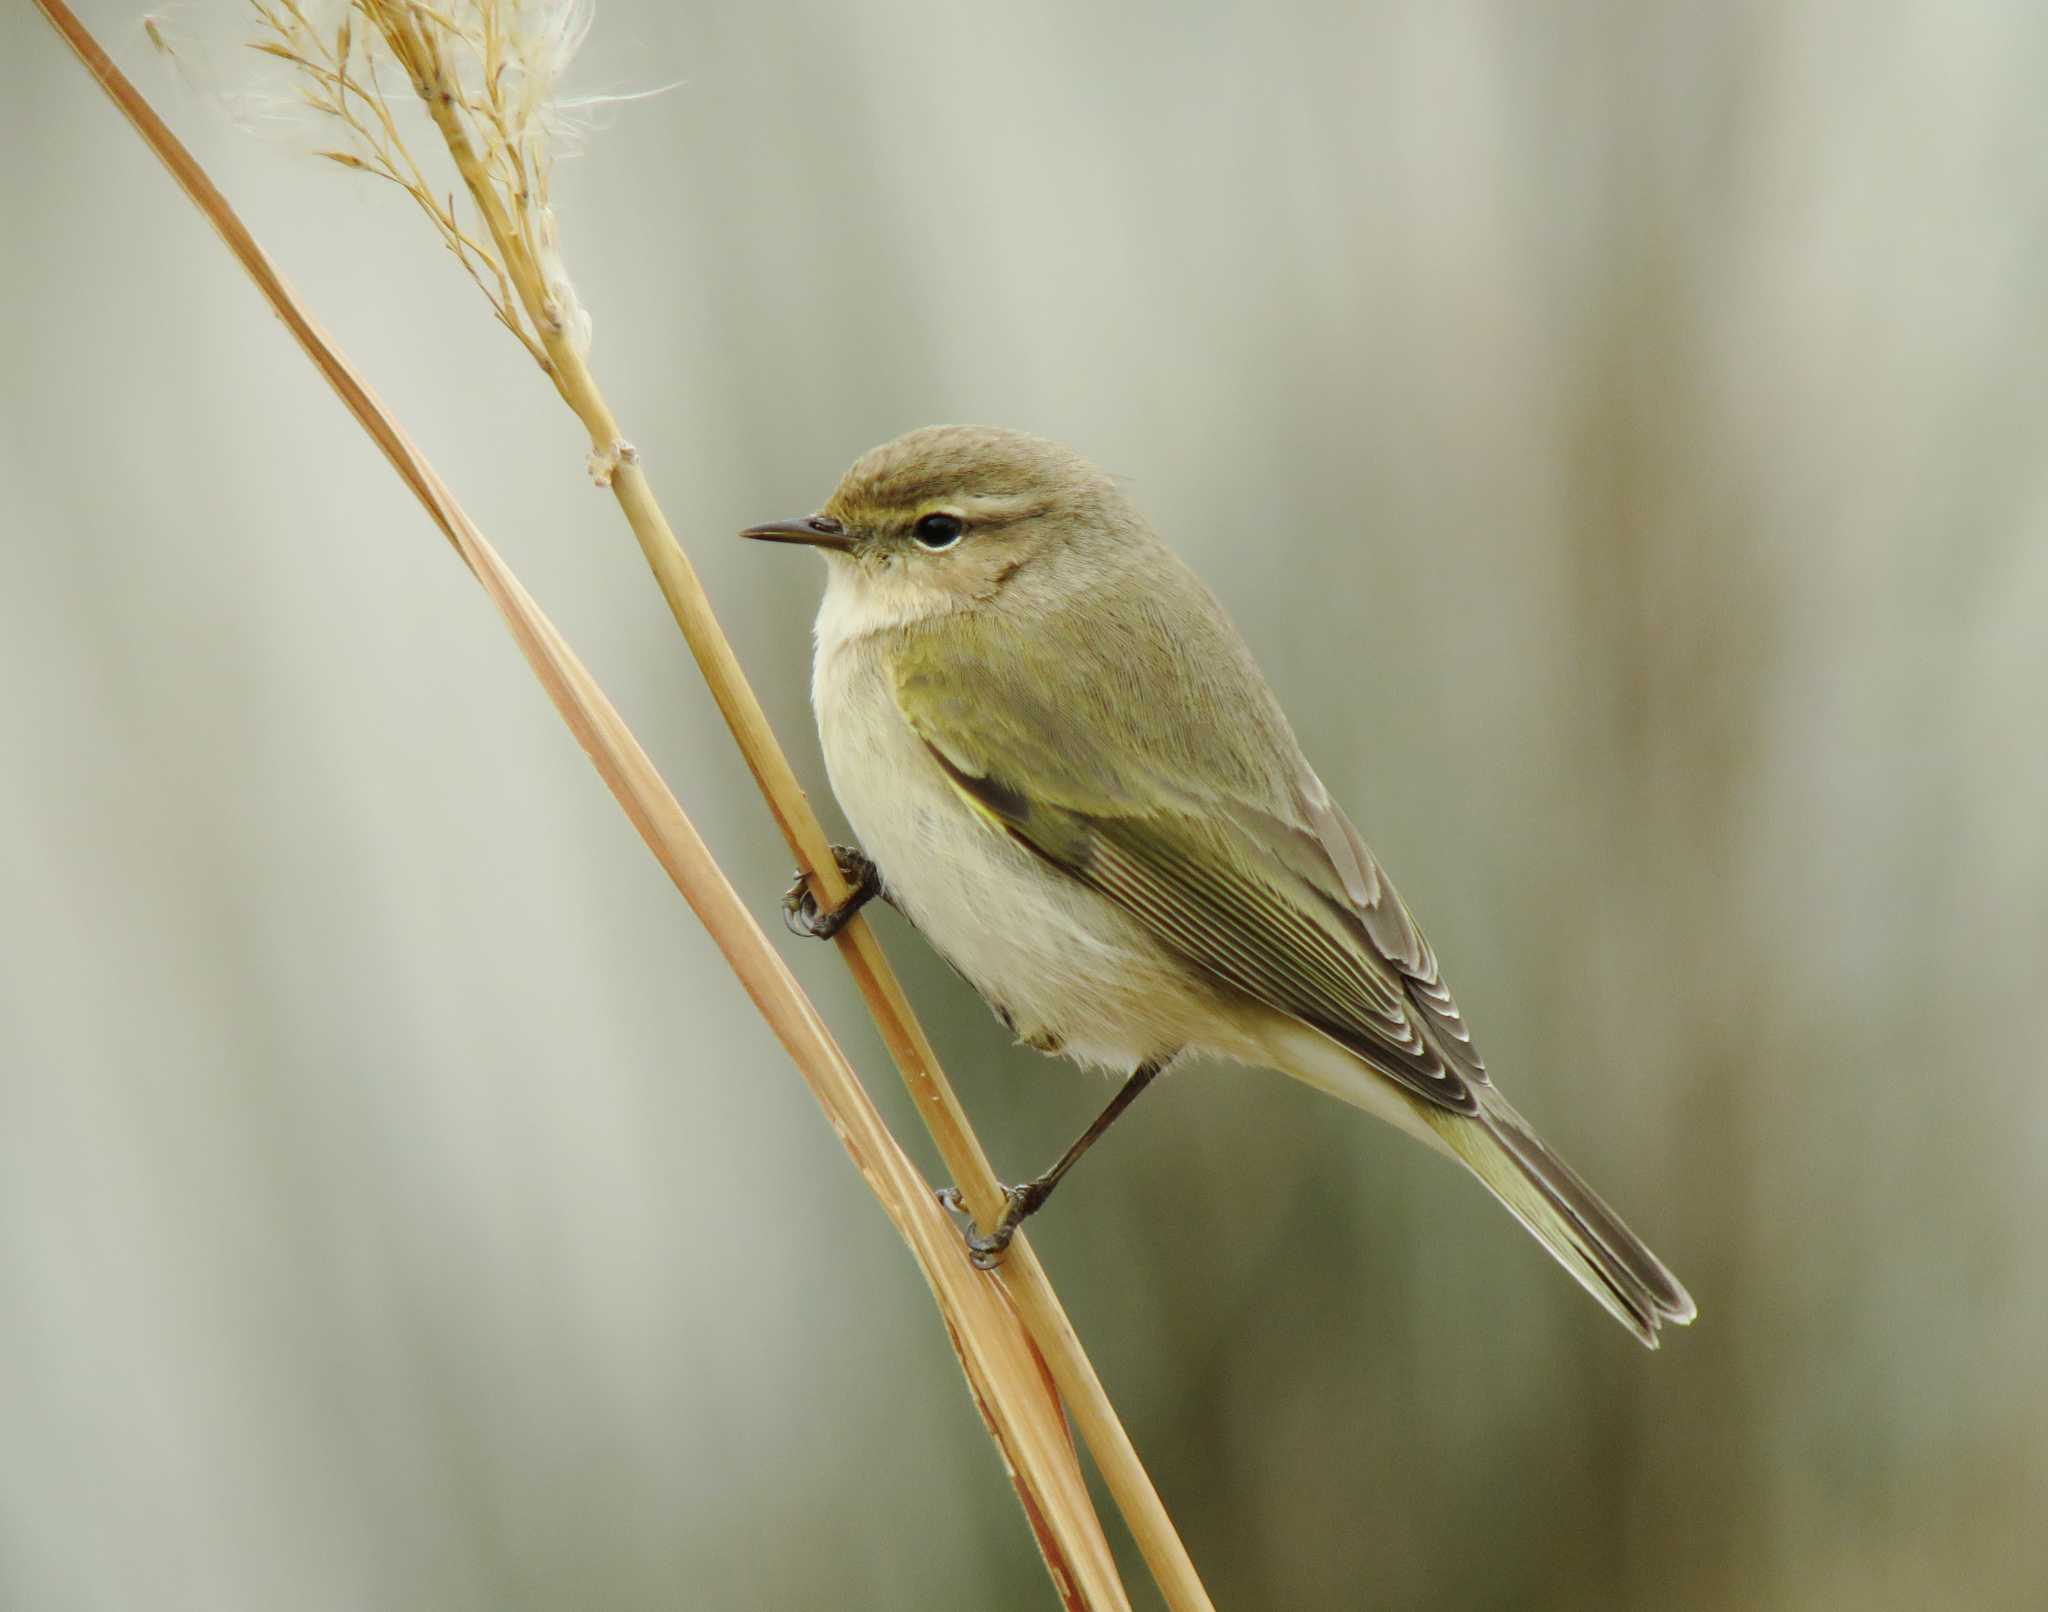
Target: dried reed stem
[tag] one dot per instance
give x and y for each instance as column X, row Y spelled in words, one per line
column 487, row 147
column 1005, row 1374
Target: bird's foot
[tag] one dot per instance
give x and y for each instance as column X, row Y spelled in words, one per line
column 802, row 915
column 986, row 1249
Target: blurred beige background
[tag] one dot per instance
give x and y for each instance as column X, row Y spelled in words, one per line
column 1620, row 431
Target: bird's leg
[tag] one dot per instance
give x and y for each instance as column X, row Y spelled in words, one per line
column 801, row 914
column 986, row 1249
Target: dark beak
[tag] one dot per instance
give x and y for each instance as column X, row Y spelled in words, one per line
column 818, row 531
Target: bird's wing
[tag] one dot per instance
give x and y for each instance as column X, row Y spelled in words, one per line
column 1248, row 870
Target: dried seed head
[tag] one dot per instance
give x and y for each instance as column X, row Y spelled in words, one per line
column 485, row 74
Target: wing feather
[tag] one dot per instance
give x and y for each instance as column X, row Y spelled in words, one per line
column 1277, row 897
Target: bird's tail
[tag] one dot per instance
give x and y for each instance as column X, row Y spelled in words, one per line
column 1543, row 1192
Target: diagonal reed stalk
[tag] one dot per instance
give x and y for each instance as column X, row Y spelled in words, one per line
column 1005, row 1374
column 484, row 70
column 507, row 179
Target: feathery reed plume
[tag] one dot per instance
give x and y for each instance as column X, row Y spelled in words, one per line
column 491, row 69
column 485, row 72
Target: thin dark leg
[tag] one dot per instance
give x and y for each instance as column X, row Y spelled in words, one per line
column 1029, row 1198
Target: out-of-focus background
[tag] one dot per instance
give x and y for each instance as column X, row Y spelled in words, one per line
column 1619, row 430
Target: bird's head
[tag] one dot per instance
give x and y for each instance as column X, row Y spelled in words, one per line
column 954, row 517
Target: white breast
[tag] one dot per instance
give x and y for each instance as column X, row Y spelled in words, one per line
column 1069, row 971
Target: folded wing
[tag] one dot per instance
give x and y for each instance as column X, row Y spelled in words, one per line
column 1248, row 871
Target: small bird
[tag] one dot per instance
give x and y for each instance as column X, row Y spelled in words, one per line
column 1067, row 772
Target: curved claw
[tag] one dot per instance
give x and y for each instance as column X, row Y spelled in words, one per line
column 985, row 1250
column 801, row 914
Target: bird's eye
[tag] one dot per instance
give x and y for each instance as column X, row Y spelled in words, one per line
column 938, row 530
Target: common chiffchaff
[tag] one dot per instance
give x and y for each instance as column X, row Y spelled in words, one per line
column 1072, row 778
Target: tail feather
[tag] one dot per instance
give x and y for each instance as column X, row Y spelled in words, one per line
column 1538, row 1188
column 1565, row 1215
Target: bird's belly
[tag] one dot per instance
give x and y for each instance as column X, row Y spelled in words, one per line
column 1067, row 970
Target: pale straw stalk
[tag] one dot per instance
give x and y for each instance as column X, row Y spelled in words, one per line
column 485, row 72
